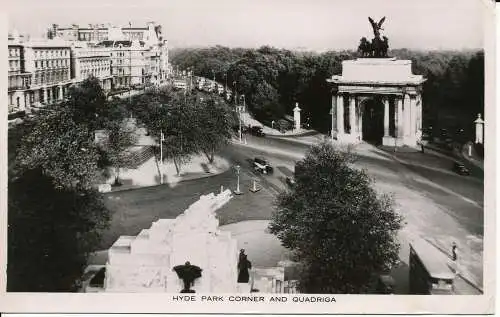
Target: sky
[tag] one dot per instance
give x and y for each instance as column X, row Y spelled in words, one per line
column 293, row 24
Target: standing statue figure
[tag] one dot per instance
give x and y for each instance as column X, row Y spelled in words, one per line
column 376, row 27
column 243, row 266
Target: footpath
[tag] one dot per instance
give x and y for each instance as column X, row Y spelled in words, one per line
column 149, row 171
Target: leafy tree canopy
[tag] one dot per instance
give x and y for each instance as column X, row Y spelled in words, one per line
column 339, row 229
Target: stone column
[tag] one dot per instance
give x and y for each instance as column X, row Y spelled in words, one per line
column 386, row 116
column 399, row 113
column 352, row 114
column 45, row 95
column 413, row 107
column 360, row 121
column 333, row 114
column 407, row 113
column 479, row 123
column 61, row 96
column 419, row 112
column 296, row 117
column 340, row 114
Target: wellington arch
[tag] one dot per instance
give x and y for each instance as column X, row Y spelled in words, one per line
column 378, row 100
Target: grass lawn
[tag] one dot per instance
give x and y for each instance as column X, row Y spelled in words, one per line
column 134, row 210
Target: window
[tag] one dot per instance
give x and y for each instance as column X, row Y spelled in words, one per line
column 36, row 64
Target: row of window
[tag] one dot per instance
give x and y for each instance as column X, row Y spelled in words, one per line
column 14, row 52
column 89, row 63
column 51, row 77
column 14, row 65
column 95, row 72
column 18, row 82
column 39, row 54
column 91, row 36
column 52, row 63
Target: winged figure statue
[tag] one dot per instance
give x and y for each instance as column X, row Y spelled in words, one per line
column 376, row 26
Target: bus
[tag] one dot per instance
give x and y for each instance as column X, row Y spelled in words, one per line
column 429, row 270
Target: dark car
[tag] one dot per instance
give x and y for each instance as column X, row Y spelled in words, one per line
column 256, row 130
column 460, row 168
column 261, row 165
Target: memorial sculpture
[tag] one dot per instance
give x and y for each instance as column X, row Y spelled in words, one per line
column 188, row 273
column 379, row 46
column 187, row 254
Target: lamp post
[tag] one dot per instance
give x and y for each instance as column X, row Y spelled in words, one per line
column 162, row 138
column 239, row 116
column 238, row 191
column 235, row 93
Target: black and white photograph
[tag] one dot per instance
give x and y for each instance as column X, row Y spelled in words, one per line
column 236, row 156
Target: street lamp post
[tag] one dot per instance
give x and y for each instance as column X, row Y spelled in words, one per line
column 237, row 191
column 162, row 138
column 239, row 116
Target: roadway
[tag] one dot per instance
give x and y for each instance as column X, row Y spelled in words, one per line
column 434, row 202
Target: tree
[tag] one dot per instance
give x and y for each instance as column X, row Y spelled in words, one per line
column 55, row 214
column 51, row 233
column 214, row 126
column 62, row 149
column 88, row 104
column 338, row 228
column 120, row 137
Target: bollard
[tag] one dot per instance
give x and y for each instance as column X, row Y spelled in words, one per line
column 254, row 188
column 221, row 189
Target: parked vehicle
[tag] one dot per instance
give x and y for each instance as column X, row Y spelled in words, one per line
column 460, row 168
column 261, row 165
column 429, row 271
column 257, row 131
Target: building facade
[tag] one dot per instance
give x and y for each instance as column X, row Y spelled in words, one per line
column 40, row 72
column 95, row 61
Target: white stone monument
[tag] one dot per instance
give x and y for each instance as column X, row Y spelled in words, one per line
column 396, row 90
column 479, row 122
column 296, row 116
column 145, row 263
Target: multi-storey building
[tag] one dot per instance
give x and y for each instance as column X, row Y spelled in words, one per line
column 39, row 73
column 139, row 55
column 151, row 34
column 49, row 62
column 90, row 60
column 19, row 79
column 129, row 63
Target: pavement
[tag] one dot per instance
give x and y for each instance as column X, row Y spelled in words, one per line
column 149, row 173
column 153, row 173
